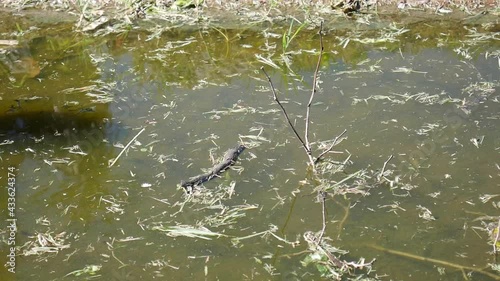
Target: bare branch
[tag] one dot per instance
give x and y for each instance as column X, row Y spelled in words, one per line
column 308, row 113
column 495, row 250
column 330, row 148
column 322, row 198
column 383, row 168
column 125, row 148
column 275, row 96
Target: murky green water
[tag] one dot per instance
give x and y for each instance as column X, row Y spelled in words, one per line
column 69, row 104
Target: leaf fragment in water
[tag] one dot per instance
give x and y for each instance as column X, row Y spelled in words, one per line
column 267, row 61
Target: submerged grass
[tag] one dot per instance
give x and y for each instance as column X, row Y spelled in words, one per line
column 91, row 270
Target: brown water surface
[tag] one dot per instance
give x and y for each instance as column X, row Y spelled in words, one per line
column 426, row 93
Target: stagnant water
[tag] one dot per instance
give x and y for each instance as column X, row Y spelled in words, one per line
column 69, row 104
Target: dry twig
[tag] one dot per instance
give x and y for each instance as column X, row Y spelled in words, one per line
column 275, row 96
column 497, row 236
column 383, row 168
column 306, row 144
column 125, row 148
column 322, row 198
column 329, row 148
column 313, row 91
column 436, row 261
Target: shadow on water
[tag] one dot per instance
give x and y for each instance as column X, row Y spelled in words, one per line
column 71, row 103
column 52, row 135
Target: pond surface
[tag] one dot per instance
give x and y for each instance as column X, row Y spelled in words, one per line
column 425, row 93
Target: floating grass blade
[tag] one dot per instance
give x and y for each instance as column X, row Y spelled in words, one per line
column 188, row 231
